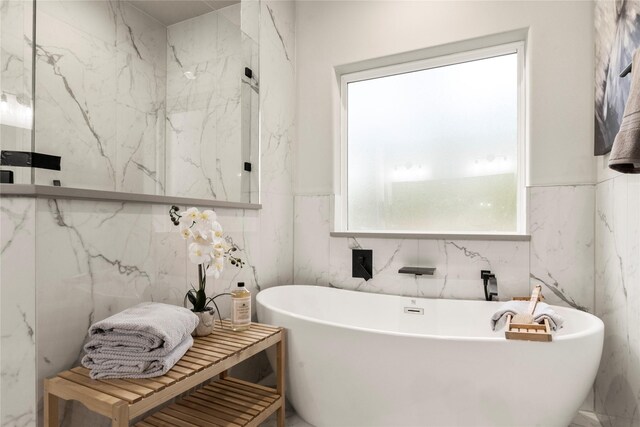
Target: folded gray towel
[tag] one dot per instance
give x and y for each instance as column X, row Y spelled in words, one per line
column 625, row 153
column 543, row 311
column 127, row 365
column 150, row 328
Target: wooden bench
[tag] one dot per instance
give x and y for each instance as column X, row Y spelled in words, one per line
column 221, row 401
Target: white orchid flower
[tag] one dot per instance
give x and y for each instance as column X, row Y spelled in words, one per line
column 218, row 249
column 208, row 215
column 202, row 238
column 190, row 216
column 186, row 233
column 217, row 230
column 199, row 254
column 216, row 268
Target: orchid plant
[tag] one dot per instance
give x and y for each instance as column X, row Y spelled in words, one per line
column 208, row 248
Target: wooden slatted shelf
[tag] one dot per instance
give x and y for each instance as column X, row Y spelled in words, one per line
column 224, row 402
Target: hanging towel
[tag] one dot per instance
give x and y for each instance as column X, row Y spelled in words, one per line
column 543, row 311
column 625, row 153
column 134, row 365
column 149, row 328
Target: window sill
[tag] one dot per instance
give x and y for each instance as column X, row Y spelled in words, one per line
column 433, row 236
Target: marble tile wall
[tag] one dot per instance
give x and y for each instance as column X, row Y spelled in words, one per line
column 134, row 106
column 96, row 258
column 277, row 126
column 327, row 261
column 204, row 105
column 559, row 255
column 100, row 95
column 17, row 312
column 563, row 243
column 83, row 277
column 617, row 298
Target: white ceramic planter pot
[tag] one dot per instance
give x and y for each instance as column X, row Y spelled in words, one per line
column 206, row 324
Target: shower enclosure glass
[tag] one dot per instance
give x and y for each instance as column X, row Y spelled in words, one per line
column 153, row 97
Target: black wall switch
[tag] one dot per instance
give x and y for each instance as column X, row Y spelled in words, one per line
column 6, row 177
column 362, row 263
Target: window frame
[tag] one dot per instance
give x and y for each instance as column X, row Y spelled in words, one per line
column 341, row 223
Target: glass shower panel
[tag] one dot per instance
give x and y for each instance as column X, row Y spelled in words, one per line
column 145, row 97
column 16, row 66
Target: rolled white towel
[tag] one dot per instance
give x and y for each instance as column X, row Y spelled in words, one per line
column 543, row 311
column 148, row 328
column 128, row 365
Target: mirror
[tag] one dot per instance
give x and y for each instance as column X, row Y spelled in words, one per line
column 154, row 97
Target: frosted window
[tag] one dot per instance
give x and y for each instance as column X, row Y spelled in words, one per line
column 435, row 150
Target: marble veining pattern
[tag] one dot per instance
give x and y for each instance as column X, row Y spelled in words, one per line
column 560, row 253
column 134, row 106
column 563, row 244
column 83, row 277
column 617, row 389
column 17, row 313
column 277, row 125
column 203, row 105
column 327, row 260
column 97, row 258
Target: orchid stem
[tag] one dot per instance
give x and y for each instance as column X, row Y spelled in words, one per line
column 201, row 276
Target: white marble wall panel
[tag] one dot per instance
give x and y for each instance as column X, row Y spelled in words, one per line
column 15, row 81
column 17, row 312
column 84, row 277
column 617, row 390
column 324, row 260
column 276, row 240
column 312, row 226
column 458, row 264
column 101, row 85
column 203, row 99
column 250, row 18
column 563, row 244
column 76, row 100
column 277, row 95
column 140, row 109
column 277, row 124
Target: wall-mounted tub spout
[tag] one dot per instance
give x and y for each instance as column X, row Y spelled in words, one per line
column 490, row 284
column 418, row 271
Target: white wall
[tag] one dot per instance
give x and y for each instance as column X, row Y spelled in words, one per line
column 333, row 33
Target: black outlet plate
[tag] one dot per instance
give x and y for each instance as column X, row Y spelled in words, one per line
column 362, row 263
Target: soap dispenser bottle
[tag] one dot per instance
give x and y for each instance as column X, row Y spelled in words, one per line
column 241, row 308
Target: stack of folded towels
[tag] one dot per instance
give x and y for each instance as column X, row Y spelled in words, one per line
column 141, row 342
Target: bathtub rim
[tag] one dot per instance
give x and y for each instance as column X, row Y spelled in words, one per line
column 595, row 325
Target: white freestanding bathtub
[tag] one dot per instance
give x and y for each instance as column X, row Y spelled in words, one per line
column 358, row 359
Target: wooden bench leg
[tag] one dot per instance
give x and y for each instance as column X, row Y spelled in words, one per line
column 224, row 374
column 50, row 408
column 280, row 349
column 120, row 415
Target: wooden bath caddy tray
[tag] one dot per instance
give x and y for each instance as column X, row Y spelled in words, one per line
column 221, row 401
column 528, row 331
